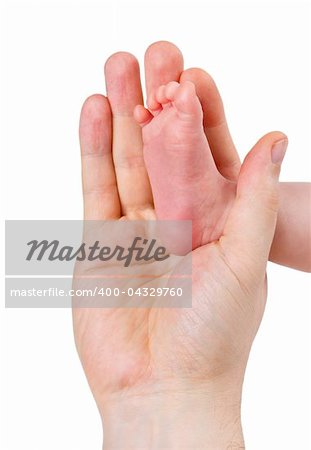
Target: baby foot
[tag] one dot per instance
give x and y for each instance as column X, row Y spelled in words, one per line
column 185, row 182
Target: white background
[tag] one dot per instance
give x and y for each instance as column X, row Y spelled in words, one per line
column 54, row 54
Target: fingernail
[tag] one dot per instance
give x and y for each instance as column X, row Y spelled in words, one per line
column 278, row 151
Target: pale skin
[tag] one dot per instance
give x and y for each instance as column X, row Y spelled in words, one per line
column 164, row 63
column 173, row 378
column 186, row 183
column 194, row 186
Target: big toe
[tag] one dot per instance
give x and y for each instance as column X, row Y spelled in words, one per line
column 187, row 102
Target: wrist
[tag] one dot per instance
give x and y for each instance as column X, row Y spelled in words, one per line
column 189, row 417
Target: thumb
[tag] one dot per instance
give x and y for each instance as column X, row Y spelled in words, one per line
column 251, row 224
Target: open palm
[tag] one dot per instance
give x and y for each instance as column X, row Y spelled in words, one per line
column 131, row 350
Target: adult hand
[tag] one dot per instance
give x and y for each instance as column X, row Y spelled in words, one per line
column 172, row 378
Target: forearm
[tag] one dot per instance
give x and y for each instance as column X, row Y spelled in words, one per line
column 292, row 240
column 196, row 419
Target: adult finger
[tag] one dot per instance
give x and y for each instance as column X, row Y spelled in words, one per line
column 100, row 192
column 251, row 224
column 163, row 63
column 124, row 93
